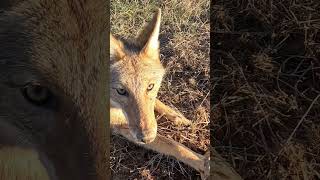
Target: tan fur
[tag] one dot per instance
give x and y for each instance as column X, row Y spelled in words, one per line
column 18, row 162
column 68, row 49
column 133, row 69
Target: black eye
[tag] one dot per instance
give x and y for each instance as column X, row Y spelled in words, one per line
column 122, row 92
column 150, row 87
column 36, row 94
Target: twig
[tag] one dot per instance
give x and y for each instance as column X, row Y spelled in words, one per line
column 303, row 117
column 220, row 169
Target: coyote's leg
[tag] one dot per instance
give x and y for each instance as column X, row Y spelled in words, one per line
column 162, row 145
column 170, row 147
column 171, row 114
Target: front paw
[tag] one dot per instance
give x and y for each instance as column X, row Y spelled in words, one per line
column 180, row 120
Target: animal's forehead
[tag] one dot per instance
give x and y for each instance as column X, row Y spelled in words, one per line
column 136, row 62
column 133, row 69
column 73, row 67
column 68, row 43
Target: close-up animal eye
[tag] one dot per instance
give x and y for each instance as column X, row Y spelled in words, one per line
column 150, row 87
column 36, row 94
column 122, row 92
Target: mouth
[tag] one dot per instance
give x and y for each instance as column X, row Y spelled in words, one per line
column 145, row 137
column 146, row 140
column 144, row 143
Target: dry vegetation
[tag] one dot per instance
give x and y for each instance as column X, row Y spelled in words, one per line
column 266, row 87
column 184, row 50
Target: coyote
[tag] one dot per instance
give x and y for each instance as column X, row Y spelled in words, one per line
column 136, row 75
column 53, row 74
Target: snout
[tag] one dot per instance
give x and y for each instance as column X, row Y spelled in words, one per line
column 141, row 120
column 146, row 136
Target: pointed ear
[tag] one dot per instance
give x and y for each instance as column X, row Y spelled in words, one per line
column 116, row 49
column 149, row 37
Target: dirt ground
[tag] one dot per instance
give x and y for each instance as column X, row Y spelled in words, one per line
column 266, row 87
column 184, row 41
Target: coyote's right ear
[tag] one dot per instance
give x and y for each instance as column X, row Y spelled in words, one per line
column 116, row 49
column 149, row 37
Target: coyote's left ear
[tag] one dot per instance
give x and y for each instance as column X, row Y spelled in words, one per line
column 149, row 37
column 116, row 49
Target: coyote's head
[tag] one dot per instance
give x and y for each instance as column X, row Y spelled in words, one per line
column 136, row 75
column 53, row 122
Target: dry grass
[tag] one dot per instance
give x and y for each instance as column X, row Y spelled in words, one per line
column 185, row 53
column 266, row 87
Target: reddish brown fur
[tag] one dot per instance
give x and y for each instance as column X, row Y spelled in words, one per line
column 69, row 40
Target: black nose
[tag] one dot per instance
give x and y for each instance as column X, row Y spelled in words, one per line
column 145, row 138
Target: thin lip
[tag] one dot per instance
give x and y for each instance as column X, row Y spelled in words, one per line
column 140, row 142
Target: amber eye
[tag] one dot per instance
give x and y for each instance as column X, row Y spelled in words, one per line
column 122, row 92
column 150, row 87
column 36, row 94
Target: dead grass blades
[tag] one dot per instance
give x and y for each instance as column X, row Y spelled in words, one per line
column 266, row 88
column 184, row 50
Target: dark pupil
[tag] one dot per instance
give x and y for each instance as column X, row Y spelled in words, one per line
column 36, row 94
column 37, row 90
column 150, row 86
column 121, row 91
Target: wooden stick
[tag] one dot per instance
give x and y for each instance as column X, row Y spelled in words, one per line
column 220, row 169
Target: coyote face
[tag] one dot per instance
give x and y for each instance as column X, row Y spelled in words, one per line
column 136, row 75
column 52, row 90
